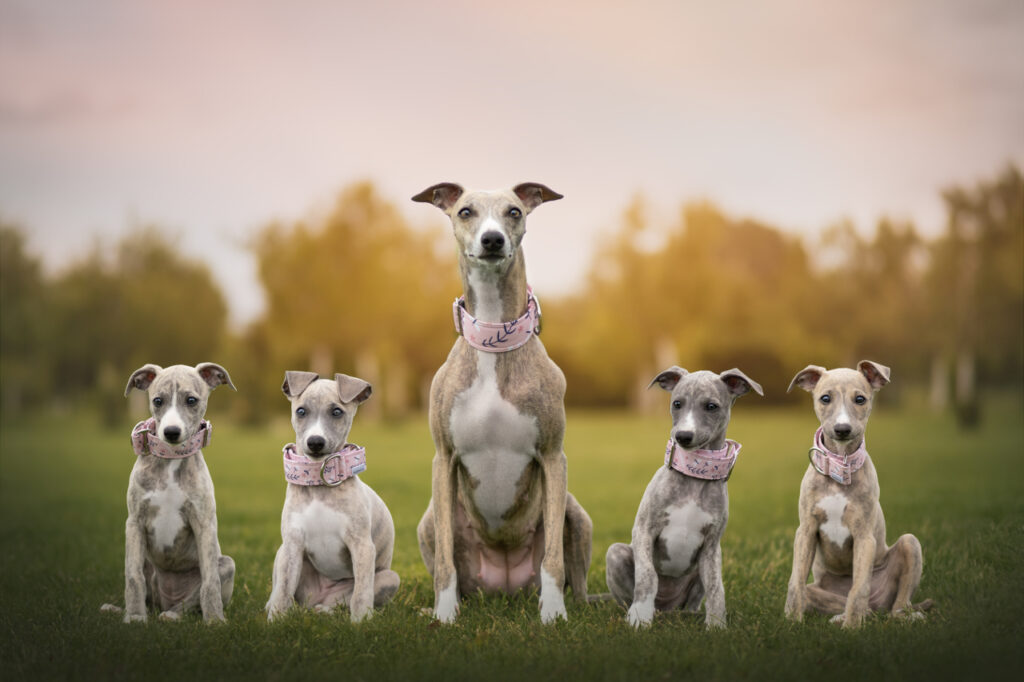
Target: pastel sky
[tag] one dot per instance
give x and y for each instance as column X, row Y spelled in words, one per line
column 213, row 118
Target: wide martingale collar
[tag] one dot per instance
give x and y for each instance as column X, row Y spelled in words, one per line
column 497, row 337
column 837, row 467
column 332, row 470
column 145, row 442
column 710, row 465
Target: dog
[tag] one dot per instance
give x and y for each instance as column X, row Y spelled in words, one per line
column 675, row 558
column 500, row 517
column 337, row 535
column 172, row 554
column 842, row 528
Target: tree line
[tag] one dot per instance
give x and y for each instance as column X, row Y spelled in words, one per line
column 359, row 290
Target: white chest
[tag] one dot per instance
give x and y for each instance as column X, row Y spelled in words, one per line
column 683, row 535
column 833, row 528
column 168, row 501
column 323, row 530
column 493, row 441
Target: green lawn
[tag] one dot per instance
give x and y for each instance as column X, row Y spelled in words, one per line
column 62, row 512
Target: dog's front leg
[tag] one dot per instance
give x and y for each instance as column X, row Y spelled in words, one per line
column 287, row 571
column 446, row 593
column 860, row 590
column 804, row 545
column 363, row 554
column 210, row 594
column 711, row 577
column 552, row 567
column 645, row 576
column 134, row 575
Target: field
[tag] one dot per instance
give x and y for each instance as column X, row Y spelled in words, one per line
column 62, row 512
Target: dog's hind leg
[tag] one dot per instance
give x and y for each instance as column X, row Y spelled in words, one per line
column 578, row 538
column 620, row 573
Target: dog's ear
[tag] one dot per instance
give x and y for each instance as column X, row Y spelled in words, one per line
column 533, row 194
column 807, row 378
column 142, row 378
column 739, row 383
column 352, row 389
column 297, row 382
column 443, row 195
column 214, row 375
column 876, row 374
column 669, row 378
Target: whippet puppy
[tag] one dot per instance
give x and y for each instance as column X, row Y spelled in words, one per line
column 337, row 536
column 675, row 557
column 500, row 517
column 842, row 528
column 172, row 554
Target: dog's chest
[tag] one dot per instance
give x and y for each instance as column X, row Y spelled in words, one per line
column 493, row 441
column 830, row 510
column 682, row 536
column 323, row 530
column 164, row 511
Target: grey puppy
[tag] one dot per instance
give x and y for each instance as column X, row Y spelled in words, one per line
column 337, row 534
column 675, row 557
column 842, row 527
column 172, row 555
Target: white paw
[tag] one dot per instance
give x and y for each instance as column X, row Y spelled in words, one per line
column 714, row 622
column 361, row 615
column 135, row 618
column 320, row 608
column 447, row 604
column 552, row 599
column 170, row 616
column 908, row 616
column 110, row 608
column 640, row 615
column 838, row 619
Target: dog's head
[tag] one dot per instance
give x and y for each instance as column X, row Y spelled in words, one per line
column 323, row 409
column 702, row 403
column 178, row 396
column 489, row 226
column 843, row 397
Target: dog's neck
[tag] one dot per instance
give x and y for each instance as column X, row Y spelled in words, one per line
column 495, row 296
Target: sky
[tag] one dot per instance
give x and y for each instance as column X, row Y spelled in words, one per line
column 212, row 119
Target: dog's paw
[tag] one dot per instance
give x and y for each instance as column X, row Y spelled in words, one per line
column 908, row 615
column 640, row 615
column 134, row 618
column 447, row 606
column 362, row 615
column 553, row 609
column 715, row 622
column 838, row 619
column 169, row 616
column 111, row 608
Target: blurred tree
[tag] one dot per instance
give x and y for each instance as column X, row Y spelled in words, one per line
column 358, row 292
column 24, row 296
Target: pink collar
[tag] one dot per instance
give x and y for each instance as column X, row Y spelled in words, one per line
column 710, row 465
column 497, row 337
column 145, row 442
column 837, row 467
column 330, row 471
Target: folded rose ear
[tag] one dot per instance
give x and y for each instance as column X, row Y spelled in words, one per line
column 807, row 378
column 214, row 375
column 876, row 374
column 669, row 378
column 352, row 389
column 297, row 382
column 739, row 383
column 533, row 194
column 443, row 195
column 142, row 378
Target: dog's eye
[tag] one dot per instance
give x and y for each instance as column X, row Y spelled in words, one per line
column 825, row 399
column 337, row 412
column 191, row 401
column 711, row 407
column 676, row 404
column 465, row 213
column 860, row 400
column 514, row 212
column 157, row 402
column 301, row 411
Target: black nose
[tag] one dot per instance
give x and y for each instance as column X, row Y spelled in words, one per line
column 843, row 430
column 315, row 443
column 684, row 438
column 492, row 241
column 172, row 434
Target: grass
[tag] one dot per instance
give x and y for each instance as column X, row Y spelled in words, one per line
column 62, row 512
